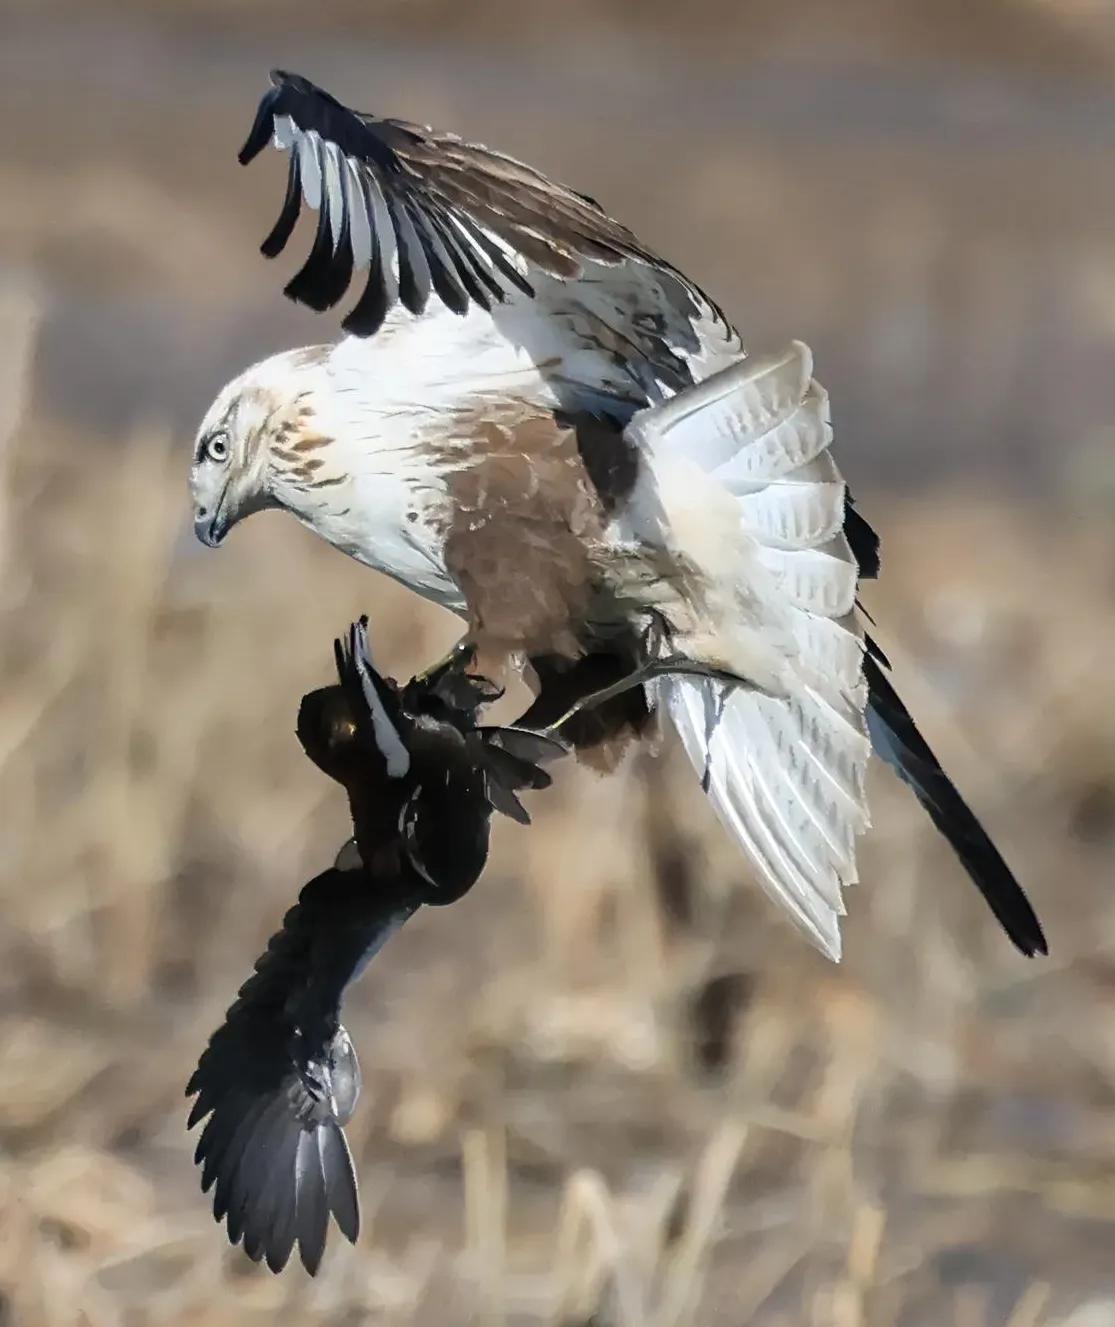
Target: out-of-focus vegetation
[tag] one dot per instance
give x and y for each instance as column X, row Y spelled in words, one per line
column 608, row 1087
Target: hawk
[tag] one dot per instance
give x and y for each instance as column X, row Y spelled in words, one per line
column 538, row 423
column 280, row 1078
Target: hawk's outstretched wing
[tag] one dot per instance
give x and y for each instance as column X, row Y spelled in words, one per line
column 427, row 214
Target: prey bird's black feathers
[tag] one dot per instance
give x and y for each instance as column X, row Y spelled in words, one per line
column 280, row 1078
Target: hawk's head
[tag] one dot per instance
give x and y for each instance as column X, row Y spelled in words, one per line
column 259, row 420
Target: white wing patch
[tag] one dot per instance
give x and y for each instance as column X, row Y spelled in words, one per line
column 333, row 180
column 360, row 229
column 308, row 147
column 391, row 745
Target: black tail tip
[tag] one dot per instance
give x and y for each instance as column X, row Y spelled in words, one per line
column 1032, row 943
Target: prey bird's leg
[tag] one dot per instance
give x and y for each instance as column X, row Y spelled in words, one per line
column 450, row 680
column 460, row 656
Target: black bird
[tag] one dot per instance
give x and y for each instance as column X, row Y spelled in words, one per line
column 280, row 1078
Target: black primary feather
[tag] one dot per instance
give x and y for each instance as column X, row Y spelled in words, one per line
column 414, row 272
column 367, row 315
column 447, row 281
column 498, row 258
column 311, row 283
column 895, row 738
column 862, row 540
column 337, row 280
column 275, row 242
column 474, row 270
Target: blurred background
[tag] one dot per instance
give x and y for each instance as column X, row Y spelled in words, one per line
column 609, row 1088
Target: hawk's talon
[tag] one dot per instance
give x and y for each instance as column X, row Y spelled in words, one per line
column 657, row 634
column 672, row 665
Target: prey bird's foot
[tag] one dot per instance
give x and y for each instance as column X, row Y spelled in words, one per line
column 457, row 660
column 452, row 683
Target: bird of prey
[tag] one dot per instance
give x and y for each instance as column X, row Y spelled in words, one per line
column 540, row 424
column 280, row 1078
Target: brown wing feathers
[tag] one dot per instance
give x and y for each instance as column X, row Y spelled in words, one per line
column 516, row 202
column 465, row 221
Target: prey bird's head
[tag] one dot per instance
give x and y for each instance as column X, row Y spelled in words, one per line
column 254, row 433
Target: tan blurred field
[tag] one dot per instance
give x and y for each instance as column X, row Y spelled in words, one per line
column 609, row 1088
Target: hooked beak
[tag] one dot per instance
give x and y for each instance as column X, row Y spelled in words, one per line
column 211, row 526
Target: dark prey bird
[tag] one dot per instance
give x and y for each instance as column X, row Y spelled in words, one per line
column 280, row 1078
column 542, row 425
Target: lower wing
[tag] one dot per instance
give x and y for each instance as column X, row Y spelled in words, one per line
column 785, row 767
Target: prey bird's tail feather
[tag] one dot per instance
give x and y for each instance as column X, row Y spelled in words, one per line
column 896, row 739
column 783, row 761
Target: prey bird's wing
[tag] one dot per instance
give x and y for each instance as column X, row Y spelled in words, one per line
column 280, row 1078
column 429, row 216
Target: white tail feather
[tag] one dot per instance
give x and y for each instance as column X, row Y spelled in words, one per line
column 783, row 764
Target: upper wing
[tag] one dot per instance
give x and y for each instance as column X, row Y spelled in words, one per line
column 426, row 213
column 279, row 1078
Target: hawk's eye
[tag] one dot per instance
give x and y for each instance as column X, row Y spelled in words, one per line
column 216, row 447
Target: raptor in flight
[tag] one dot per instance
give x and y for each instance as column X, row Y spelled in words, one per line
column 538, row 423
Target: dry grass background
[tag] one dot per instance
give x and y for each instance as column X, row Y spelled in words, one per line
column 608, row 1087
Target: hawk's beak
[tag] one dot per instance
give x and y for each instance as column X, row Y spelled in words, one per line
column 211, row 526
